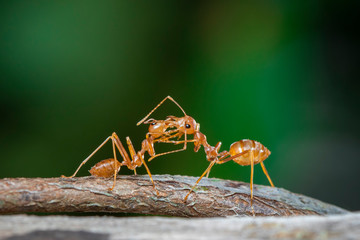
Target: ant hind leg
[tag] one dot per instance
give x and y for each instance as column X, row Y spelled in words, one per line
column 252, row 182
column 87, row 159
column 267, row 174
column 116, row 167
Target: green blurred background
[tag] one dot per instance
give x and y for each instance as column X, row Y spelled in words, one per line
column 282, row 73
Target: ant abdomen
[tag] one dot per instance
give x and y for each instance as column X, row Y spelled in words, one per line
column 259, row 151
column 105, row 168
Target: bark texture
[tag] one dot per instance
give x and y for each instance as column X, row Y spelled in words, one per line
column 135, row 194
column 21, row 227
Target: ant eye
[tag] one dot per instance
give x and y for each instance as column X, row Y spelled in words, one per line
column 187, row 126
column 153, row 123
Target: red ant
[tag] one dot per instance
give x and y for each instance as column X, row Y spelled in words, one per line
column 110, row 167
column 244, row 152
column 171, row 127
column 158, row 132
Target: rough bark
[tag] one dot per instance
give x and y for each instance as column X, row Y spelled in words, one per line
column 21, row 227
column 135, row 194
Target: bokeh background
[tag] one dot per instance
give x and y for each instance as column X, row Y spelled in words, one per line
column 285, row 73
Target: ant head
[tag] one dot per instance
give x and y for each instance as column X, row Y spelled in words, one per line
column 189, row 125
column 184, row 124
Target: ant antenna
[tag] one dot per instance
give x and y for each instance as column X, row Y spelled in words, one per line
column 168, row 97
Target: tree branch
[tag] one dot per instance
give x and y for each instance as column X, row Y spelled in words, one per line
column 135, row 194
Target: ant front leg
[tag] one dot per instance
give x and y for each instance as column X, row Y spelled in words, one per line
column 174, row 151
column 175, row 142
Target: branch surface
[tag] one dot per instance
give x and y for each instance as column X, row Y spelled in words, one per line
column 135, row 194
column 335, row 227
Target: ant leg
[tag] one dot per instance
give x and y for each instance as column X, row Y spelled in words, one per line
column 87, row 159
column 251, row 182
column 266, row 173
column 131, row 147
column 160, row 154
column 222, row 160
column 147, row 145
column 123, row 153
column 121, row 149
column 221, row 156
column 132, row 153
column 178, row 150
column 207, row 170
column 177, row 142
column 251, row 175
column 131, row 150
column 148, row 171
column 168, row 97
column 116, row 168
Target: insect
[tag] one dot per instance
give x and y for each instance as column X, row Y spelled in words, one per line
column 244, row 152
column 159, row 131
column 170, row 128
column 105, row 167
